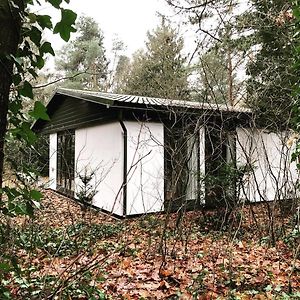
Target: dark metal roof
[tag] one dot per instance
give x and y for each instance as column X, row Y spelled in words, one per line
column 115, row 99
column 69, row 109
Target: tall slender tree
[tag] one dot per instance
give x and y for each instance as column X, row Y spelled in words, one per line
column 83, row 60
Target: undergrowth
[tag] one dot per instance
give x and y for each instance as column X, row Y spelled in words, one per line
column 63, row 241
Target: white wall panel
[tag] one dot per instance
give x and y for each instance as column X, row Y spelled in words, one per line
column 145, row 167
column 273, row 175
column 99, row 149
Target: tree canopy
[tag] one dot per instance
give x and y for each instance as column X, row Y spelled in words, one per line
column 83, row 60
column 160, row 71
column 271, row 73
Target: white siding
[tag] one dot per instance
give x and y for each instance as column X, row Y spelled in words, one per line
column 52, row 160
column 145, row 167
column 273, row 175
column 99, row 149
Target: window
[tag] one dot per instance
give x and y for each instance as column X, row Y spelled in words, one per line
column 66, row 162
column 182, row 168
column 220, row 166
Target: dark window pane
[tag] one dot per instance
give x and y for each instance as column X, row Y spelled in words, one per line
column 66, row 162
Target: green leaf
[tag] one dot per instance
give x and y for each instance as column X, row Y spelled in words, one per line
column 296, row 294
column 46, row 48
column 15, row 106
column 29, row 209
column 39, row 62
column 11, row 193
column 32, row 17
column 26, row 90
column 17, row 79
column 35, row 195
column 64, row 27
column 55, row 3
column 27, row 133
column 21, row 209
column 44, row 21
column 39, row 111
column 4, row 267
column 296, row 12
column 35, row 35
column 7, row 295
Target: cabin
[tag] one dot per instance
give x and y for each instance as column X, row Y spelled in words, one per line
column 131, row 155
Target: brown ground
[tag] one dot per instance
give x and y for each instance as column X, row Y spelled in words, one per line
column 194, row 261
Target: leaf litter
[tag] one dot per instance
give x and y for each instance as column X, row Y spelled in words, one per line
column 147, row 260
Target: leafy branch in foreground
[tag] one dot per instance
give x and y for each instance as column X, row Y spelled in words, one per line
column 22, row 54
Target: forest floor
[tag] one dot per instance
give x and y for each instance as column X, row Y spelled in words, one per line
column 67, row 252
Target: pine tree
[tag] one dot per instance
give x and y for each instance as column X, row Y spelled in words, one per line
column 271, row 73
column 161, row 70
column 85, row 55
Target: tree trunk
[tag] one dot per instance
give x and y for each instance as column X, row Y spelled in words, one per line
column 10, row 24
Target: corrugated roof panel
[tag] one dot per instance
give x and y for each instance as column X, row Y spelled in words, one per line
column 102, row 98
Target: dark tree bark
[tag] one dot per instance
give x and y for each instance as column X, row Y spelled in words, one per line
column 10, row 26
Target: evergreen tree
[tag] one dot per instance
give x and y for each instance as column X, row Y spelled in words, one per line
column 85, row 55
column 121, row 74
column 161, row 70
column 270, row 71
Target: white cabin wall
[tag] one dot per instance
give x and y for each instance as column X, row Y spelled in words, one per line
column 273, row 175
column 145, row 167
column 99, row 149
column 52, row 160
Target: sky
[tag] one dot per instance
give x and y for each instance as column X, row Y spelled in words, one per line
column 129, row 20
